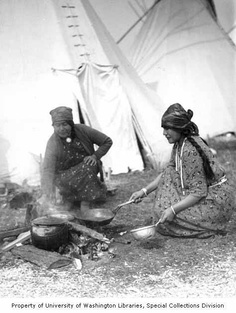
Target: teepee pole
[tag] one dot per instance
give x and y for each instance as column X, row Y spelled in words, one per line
column 129, row 30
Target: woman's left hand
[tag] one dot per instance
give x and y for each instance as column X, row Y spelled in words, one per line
column 91, row 160
column 167, row 216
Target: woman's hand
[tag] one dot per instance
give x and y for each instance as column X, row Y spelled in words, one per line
column 91, row 160
column 137, row 196
column 167, row 216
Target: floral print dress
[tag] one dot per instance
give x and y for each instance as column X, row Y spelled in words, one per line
column 185, row 175
column 76, row 180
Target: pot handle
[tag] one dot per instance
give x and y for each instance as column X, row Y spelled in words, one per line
column 121, row 205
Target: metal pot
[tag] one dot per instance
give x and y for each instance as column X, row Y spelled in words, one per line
column 143, row 233
column 100, row 216
column 49, row 232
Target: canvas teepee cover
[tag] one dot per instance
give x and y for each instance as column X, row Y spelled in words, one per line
column 184, row 55
column 68, row 37
column 226, row 16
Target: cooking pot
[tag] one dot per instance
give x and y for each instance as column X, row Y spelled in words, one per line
column 142, row 233
column 50, row 232
column 100, row 216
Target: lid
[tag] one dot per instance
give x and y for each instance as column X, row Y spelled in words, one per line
column 64, row 215
column 49, row 220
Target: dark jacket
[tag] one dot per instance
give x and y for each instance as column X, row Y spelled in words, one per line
column 54, row 154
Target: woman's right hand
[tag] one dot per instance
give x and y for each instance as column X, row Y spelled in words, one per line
column 137, row 196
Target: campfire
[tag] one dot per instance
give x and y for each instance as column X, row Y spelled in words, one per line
column 54, row 238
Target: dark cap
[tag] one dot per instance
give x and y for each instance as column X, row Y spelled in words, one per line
column 61, row 114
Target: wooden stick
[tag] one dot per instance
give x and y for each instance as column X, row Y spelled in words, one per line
column 88, row 231
column 13, row 232
column 40, row 257
column 25, row 236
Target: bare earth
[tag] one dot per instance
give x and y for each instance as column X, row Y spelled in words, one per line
column 157, row 268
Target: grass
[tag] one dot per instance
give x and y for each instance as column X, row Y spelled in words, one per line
column 162, row 267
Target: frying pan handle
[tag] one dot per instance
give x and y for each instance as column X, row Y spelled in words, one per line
column 121, row 205
column 123, row 233
column 158, row 222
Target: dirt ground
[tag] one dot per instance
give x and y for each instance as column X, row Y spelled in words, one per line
column 159, row 267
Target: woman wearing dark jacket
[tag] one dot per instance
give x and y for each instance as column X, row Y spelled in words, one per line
column 71, row 162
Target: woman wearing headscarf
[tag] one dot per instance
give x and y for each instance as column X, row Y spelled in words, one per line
column 193, row 196
column 71, row 162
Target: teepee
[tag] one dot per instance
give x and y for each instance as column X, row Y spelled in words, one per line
column 57, row 52
column 226, row 16
column 184, row 56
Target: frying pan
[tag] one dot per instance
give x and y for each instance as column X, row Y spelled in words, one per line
column 100, row 216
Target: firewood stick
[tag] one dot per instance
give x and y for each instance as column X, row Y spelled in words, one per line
column 13, row 232
column 88, row 231
column 25, row 236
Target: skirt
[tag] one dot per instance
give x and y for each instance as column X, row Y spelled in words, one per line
column 208, row 217
column 81, row 183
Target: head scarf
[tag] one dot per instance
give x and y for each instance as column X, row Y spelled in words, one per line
column 177, row 118
column 60, row 114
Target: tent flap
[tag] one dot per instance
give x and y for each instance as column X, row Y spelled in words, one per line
column 41, row 35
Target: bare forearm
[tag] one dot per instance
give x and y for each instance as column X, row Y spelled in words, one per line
column 138, row 195
column 185, row 203
column 170, row 213
column 153, row 185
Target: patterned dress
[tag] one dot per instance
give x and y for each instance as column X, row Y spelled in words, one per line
column 76, row 180
column 185, row 175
